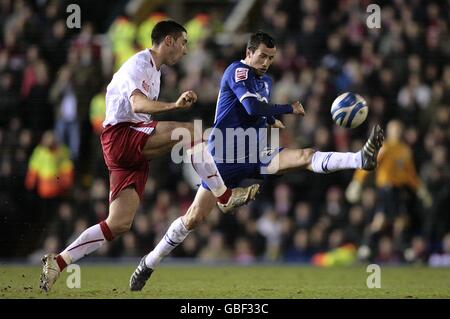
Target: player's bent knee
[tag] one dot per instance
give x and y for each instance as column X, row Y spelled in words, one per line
column 183, row 128
column 118, row 228
column 188, row 126
column 305, row 156
column 196, row 133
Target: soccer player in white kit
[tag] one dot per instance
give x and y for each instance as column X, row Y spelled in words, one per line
column 131, row 138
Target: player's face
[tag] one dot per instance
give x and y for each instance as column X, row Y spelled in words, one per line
column 261, row 59
column 178, row 49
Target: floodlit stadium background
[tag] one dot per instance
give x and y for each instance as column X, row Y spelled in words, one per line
column 324, row 48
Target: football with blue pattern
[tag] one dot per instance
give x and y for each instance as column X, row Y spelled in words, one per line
column 349, row 110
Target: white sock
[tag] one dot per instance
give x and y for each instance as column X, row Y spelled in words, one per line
column 174, row 236
column 327, row 162
column 206, row 168
column 89, row 241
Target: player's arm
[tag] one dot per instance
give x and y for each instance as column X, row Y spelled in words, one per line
column 240, row 82
column 257, row 108
column 141, row 104
column 415, row 183
column 274, row 122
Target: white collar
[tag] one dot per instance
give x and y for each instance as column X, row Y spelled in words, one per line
column 152, row 61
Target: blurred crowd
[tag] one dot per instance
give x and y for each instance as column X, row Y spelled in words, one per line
column 52, row 86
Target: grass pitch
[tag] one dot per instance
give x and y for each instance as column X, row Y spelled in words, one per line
column 281, row 282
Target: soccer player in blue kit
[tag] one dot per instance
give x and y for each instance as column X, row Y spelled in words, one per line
column 243, row 108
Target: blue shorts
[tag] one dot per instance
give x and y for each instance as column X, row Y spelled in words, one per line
column 234, row 174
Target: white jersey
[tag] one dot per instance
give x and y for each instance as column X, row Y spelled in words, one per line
column 137, row 73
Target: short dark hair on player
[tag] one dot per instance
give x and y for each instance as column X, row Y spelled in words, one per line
column 165, row 28
column 260, row 37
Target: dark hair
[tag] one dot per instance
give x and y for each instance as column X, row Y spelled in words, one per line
column 260, row 37
column 165, row 28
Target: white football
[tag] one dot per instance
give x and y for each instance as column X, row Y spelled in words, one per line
column 349, row 110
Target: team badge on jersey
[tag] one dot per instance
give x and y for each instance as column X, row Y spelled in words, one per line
column 240, row 74
column 146, row 86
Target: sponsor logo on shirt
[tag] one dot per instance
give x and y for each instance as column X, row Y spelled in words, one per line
column 240, row 74
column 145, row 86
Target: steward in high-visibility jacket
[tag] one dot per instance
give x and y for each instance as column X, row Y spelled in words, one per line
column 122, row 34
column 50, row 170
column 146, row 27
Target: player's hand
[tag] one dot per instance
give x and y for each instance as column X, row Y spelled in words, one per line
column 425, row 196
column 278, row 124
column 298, row 108
column 353, row 192
column 186, row 99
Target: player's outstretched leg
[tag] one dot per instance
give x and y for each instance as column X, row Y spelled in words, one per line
column 369, row 152
column 366, row 158
column 327, row 162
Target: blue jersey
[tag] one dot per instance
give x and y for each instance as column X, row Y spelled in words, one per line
column 243, row 109
column 239, row 82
